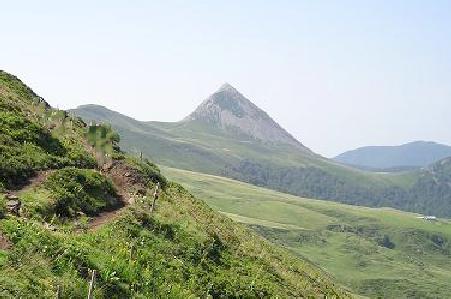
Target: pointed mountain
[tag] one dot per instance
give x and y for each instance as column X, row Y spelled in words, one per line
column 228, row 135
column 228, row 109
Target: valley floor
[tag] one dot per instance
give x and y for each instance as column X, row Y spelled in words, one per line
column 376, row 252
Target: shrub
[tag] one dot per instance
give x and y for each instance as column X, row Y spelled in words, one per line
column 77, row 190
column 385, row 242
column 149, row 170
column 27, row 146
column 21, row 130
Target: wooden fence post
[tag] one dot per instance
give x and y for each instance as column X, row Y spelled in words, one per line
column 58, row 295
column 91, row 284
column 155, row 197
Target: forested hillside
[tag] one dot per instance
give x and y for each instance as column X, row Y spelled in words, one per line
column 74, row 207
column 426, row 191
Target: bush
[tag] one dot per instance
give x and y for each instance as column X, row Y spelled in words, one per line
column 386, row 242
column 21, row 130
column 77, row 190
column 27, row 146
column 149, row 170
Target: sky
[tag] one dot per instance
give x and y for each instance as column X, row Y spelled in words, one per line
column 336, row 74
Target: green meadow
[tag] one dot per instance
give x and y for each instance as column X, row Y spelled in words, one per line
column 375, row 252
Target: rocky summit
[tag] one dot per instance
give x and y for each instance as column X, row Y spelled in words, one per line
column 229, row 109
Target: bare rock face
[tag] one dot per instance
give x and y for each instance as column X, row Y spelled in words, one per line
column 230, row 110
column 13, row 204
column 11, row 197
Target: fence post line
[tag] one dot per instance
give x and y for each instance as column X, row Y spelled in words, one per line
column 58, row 295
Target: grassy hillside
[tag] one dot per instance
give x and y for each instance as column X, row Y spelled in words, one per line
column 376, row 252
column 198, row 146
column 72, row 203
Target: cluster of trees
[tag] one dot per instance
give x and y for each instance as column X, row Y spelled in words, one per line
column 431, row 194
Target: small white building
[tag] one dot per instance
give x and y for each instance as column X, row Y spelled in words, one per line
column 430, row 218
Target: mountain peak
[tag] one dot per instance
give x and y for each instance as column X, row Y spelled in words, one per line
column 227, row 87
column 228, row 109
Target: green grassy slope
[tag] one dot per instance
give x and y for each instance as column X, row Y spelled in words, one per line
column 197, row 146
column 33, row 136
column 87, row 206
column 376, row 252
column 197, row 142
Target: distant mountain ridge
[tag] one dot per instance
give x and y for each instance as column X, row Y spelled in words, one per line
column 227, row 135
column 410, row 155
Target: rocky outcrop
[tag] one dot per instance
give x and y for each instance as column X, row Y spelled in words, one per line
column 13, row 204
column 230, row 110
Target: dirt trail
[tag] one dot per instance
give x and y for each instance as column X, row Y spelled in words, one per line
column 128, row 183
column 118, row 182
column 32, row 182
column 97, row 221
column 108, row 216
column 103, row 218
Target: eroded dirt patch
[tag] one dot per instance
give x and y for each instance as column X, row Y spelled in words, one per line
column 32, row 182
column 5, row 244
column 127, row 179
column 128, row 182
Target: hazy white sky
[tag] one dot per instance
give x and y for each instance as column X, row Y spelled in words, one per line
column 335, row 74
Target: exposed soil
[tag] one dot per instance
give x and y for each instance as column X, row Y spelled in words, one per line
column 126, row 179
column 128, row 183
column 103, row 218
column 116, row 174
column 5, row 244
column 33, row 182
